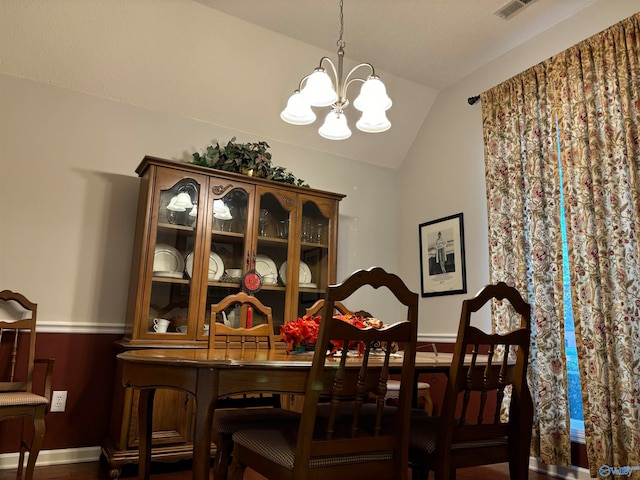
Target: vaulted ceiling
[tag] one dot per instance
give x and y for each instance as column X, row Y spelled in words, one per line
column 430, row 42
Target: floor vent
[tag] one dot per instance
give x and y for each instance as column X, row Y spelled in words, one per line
column 510, row 9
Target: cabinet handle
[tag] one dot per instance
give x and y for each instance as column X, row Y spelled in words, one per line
column 186, row 400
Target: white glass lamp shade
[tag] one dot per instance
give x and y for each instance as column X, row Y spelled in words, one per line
column 335, row 127
column 183, row 201
column 298, row 111
column 175, row 204
column 218, row 206
column 221, row 211
column 373, row 121
column 373, row 96
column 318, row 91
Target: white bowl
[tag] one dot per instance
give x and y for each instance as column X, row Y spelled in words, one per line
column 234, row 272
column 270, row 279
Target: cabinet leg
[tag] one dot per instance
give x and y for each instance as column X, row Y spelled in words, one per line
column 145, row 420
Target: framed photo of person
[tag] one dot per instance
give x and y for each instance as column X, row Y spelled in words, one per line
column 442, row 267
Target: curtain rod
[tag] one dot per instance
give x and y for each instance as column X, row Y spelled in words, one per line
column 473, row 100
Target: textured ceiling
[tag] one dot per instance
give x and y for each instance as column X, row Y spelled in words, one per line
column 430, row 42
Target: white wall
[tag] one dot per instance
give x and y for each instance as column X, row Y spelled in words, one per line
column 443, row 173
column 68, row 194
column 88, row 88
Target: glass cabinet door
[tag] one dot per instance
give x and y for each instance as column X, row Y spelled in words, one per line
column 316, row 229
column 174, row 228
column 274, row 215
column 230, row 209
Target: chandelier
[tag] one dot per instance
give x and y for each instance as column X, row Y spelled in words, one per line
column 318, row 90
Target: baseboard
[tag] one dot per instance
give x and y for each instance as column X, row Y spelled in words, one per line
column 92, row 454
column 54, row 457
column 556, row 471
column 437, row 337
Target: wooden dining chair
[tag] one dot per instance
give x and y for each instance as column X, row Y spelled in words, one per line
column 17, row 360
column 253, row 408
column 351, row 438
column 474, row 428
column 259, row 334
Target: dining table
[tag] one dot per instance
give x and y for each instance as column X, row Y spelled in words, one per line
column 209, row 375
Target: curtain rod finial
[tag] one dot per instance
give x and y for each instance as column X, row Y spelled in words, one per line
column 473, row 100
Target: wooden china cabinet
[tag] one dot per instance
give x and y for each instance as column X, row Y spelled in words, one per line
column 198, row 230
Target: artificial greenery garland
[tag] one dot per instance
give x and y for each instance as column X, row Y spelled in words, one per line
column 250, row 158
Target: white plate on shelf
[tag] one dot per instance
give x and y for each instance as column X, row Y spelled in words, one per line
column 168, row 274
column 167, row 259
column 267, row 269
column 283, row 273
column 308, row 285
column 216, row 266
column 304, row 275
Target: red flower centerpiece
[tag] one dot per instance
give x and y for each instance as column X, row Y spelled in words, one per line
column 303, row 332
column 300, row 332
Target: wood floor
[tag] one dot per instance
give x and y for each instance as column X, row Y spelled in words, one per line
column 181, row 471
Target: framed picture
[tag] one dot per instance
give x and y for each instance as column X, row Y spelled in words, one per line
column 442, row 269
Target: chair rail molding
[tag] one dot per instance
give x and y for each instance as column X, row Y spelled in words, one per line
column 80, row 327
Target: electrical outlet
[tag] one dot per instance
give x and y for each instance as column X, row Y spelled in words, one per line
column 58, row 401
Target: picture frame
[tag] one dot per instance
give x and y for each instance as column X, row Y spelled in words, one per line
column 442, row 262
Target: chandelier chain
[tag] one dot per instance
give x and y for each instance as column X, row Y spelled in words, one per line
column 340, row 42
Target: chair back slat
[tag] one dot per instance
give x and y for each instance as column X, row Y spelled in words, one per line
column 14, row 355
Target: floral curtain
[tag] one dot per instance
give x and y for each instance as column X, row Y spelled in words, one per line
column 522, row 178
column 583, row 103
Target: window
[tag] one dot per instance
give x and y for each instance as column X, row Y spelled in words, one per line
column 573, row 375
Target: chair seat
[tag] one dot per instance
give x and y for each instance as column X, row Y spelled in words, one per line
column 232, row 420
column 393, row 388
column 15, row 399
column 423, row 433
column 279, row 447
column 423, row 391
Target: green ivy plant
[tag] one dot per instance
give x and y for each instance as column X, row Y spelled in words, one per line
column 250, row 158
